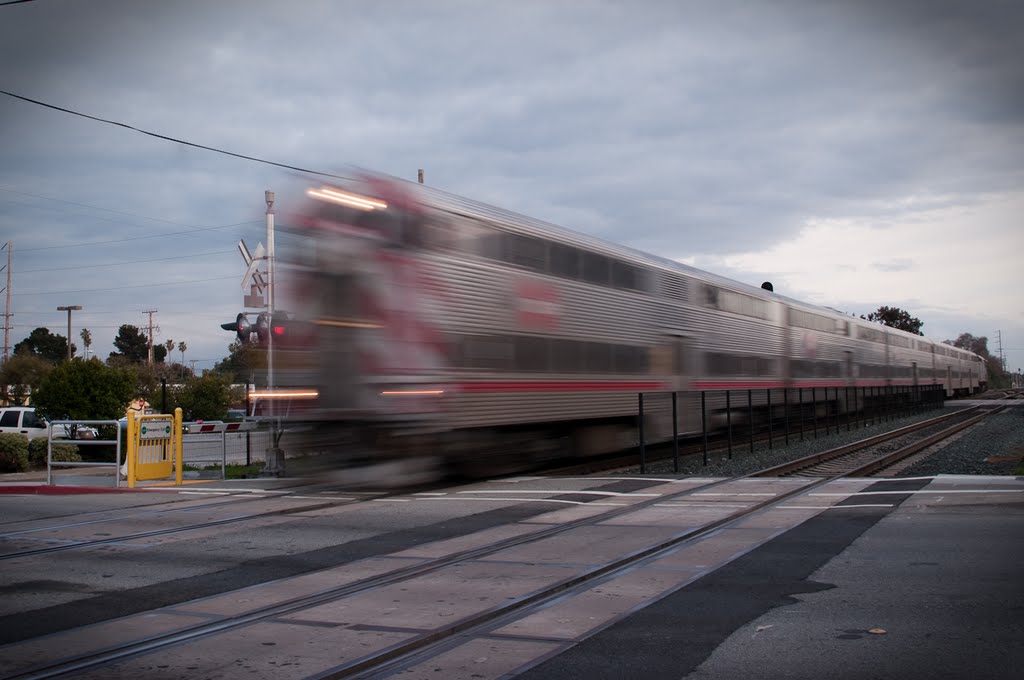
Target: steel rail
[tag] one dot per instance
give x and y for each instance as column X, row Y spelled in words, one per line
column 789, row 467
column 163, row 532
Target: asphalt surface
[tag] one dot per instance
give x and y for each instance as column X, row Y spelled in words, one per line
column 940, row 586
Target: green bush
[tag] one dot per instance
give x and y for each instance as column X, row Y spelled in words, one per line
column 13, row 452
column 65, row 453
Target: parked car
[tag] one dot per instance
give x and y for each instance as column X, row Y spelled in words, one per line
column 23, row 420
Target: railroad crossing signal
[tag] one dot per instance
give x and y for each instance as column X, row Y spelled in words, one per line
column 240, row 326
column 254, row 278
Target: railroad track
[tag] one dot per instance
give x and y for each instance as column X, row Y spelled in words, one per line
column 437, row 640
column 869, row 456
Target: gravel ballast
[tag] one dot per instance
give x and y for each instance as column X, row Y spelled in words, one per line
column 992, row 447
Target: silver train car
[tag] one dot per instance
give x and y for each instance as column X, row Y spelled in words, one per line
column 419, row 311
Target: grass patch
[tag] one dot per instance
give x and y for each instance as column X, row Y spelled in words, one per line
column 231, row 470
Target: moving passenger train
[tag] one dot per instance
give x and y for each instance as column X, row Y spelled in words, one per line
column 417, row 311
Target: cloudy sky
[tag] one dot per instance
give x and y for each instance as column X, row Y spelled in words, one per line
column 856, row 154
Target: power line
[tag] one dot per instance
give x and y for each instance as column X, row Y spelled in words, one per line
column 141, row 285
column 97, row 207
column 171, row 139
column 119, row 264
column 137, row 238
column 13, row 2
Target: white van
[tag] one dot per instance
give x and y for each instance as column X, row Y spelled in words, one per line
column 22, row 420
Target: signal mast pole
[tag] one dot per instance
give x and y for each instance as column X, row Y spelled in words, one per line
column 7, row 308
column 274, row 466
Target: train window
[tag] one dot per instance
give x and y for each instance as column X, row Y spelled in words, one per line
column 566, row 356
column 802, row 368
column 711, row 297
column 595, row 268
column 439, row 232
column 899, row 341
column 597, row 357
column 531, row 353
column 565, row 261
column 490, row 352
column 724, row 364
column 525, row 251
column 767, row 366
column 625, row 275
column 629, row 359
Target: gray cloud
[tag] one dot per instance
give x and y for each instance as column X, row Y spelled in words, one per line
column 700, row 128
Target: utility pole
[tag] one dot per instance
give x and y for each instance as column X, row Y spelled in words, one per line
column 151, row 312
column 69, row 309
column 7, row 308
column 1002, row 359
column 274, row 465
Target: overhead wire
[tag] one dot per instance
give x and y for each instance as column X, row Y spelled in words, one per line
column 134, row 238
column 97, row 207
column 171, row 139
column 129, row 262
column 141, row 285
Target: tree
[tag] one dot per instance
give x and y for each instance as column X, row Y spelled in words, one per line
column 43, row 343
column 21, row 375
column 997, row 377
column 159, row 353
column 894, row 317
column 169, row 345
column 202, row 398
column 86, row 340
column 243, row 361
column 132, row 346
column 978, row 345
column 85, row 390
column 181, row 348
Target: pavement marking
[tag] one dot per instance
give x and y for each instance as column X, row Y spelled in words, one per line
column 615, row 479
column 587, row 493
column 392, row 500
column 431, row 493
column 922, row 491
column 320, row 498
column 830, row 507
column 712, row 493
column 205, row 493
column 701, row 505
column 525, row 500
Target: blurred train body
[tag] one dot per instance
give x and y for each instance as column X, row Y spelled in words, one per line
column 420, row 316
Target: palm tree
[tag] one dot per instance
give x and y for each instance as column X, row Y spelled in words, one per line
column 87, row 341
column 169, row 344
column 181, row 348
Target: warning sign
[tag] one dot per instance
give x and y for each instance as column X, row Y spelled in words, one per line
column 155, row 429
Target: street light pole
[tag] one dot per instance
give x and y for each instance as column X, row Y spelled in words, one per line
column 69, row 309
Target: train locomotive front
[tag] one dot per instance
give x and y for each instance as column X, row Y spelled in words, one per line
column 362, row 343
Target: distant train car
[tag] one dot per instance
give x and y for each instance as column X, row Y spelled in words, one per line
column 416, row 311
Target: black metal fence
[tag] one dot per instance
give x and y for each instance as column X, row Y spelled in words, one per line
column 802, row 412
